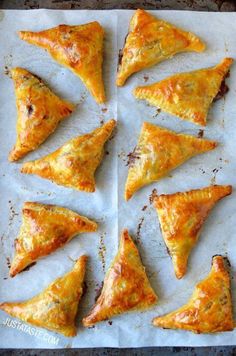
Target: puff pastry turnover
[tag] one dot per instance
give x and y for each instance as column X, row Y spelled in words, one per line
column 79, row 48
column 209, row 310
column 38, row 112
column 158, row 152
column 181, row 216
column 73, row 165
column 44, row 229
column 56, row 307
column 188, row 95
column 150, row 41
column 126, row 286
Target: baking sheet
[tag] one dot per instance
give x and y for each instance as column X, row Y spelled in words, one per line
column 106, row 205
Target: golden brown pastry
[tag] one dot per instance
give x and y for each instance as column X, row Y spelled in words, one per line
column 79, row 48
column 209, row 310
column 74, row 164
column 188, row 95
column 181, row 216
column 126, row 286
column 150, row 41
column 39, row 111
column 44, row 229
column 158, row 152
column 56, row 307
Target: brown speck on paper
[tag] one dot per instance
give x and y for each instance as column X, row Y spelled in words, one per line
column 82, row 98
column 8, row 262
column 145, row 77
column 104, row 110
column 7, row 71
column 122, row 155
column 109, row 322
column 153, row 195
column 138, row 233
column 215, row 171
column 132, row 157
column 200, row 133
column 144, row 207
column 202, row 170
column 158, row 111
column 102, row 252
column 12, row 213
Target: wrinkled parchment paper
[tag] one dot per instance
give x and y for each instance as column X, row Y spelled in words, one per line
column 106, row 205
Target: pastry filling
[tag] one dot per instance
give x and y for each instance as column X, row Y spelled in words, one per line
column 120, row 54
column 223, row 88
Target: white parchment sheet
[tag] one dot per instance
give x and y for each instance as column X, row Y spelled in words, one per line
column 107, row 205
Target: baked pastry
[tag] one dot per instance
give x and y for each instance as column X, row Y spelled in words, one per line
column 209, row 310
column 39, row 111
column 157, row 153
column 188, row 95
column 79, row 48
column 181, row 216
column 55, row 308
column 126, row 286
column 44, row 229
column 150, row 41
column 74, row 164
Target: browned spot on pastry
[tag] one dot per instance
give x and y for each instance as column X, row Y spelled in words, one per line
column 30, row 109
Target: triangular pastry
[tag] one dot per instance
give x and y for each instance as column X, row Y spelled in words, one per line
column 181, row 217
column 187, row 95
column 55, row 308
column 44, row 229
column 209, row 309
column 38, row 112
column 126, row 286
column 74, row 164
column 158, row 152
column 79, row 48
column 150, row 41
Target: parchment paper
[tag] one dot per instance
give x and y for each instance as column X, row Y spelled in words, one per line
column 107, row 205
